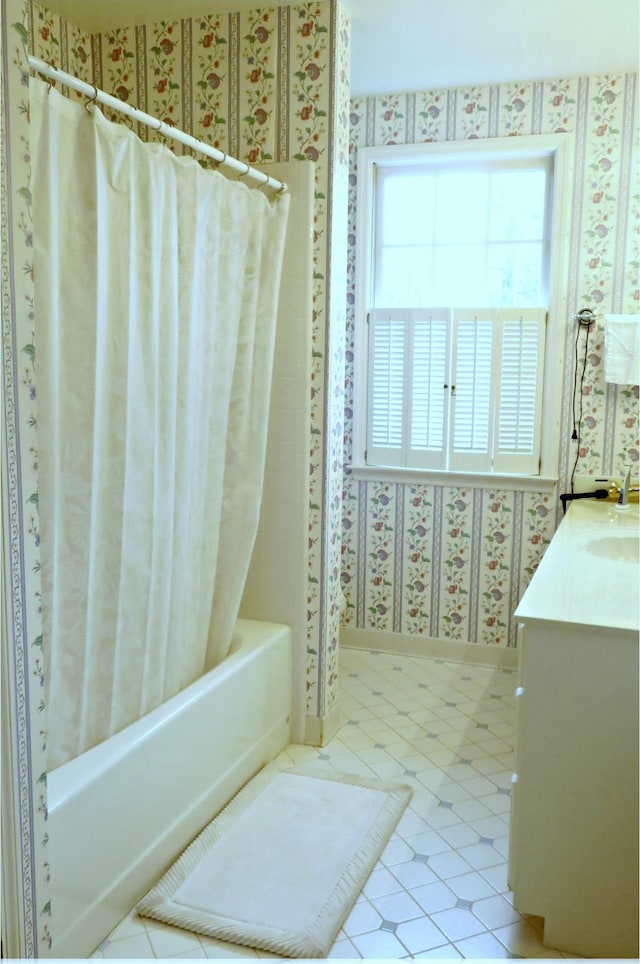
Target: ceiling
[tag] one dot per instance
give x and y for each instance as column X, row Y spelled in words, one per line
column 403, row 45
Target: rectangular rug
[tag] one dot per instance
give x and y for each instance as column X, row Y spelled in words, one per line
column 281, row 866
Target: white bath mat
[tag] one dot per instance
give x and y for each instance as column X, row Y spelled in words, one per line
column 281, row 866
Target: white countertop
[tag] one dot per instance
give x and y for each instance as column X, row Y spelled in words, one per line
column 590, row 574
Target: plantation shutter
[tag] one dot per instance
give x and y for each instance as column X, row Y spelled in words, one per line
column 386, row 386
column 456, row 389
column 429, row 393
column 520, row 349
column 472, row 390
column 408, row 394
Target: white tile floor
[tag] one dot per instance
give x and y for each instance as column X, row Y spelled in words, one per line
column 440, row 887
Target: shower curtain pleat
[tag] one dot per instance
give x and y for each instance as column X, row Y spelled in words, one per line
column 242, row 486
column 156, row 294
column 163, row 432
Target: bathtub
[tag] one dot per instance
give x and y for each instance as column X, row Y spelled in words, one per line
column 122, row 812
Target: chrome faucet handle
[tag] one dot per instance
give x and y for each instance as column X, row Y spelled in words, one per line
column 623, row 500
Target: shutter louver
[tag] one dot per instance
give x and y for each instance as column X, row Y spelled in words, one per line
column 429, row 396
column 387, row 338
column 521, row 336
column 473, row 395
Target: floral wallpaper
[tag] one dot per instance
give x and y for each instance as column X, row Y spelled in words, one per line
column 449, row 562
column 23, row 660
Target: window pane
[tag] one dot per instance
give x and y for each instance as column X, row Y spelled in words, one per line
column 487, row 231
column 517, row 205
column 462, row 207
column 402, row 276
column 514, row 275
column 459, row 276
column 406, row 208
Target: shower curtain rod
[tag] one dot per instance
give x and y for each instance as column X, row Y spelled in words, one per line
column 101, row 97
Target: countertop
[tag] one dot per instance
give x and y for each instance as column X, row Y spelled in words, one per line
column 590, row 573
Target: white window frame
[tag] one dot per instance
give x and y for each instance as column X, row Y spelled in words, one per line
column 559, row 147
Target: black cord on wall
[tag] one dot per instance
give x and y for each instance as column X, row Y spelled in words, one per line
column 585, row 319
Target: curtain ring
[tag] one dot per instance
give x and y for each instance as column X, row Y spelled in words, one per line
column 91, row 100
column 244, row 173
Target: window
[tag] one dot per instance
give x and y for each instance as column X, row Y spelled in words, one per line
column 454, row 292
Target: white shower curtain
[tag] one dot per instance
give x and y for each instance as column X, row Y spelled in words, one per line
column 156, row 293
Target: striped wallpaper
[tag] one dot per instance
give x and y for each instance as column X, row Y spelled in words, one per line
column 449, row 562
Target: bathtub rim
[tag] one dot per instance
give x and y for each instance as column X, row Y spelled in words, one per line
column 76, row 775
column 94, row 889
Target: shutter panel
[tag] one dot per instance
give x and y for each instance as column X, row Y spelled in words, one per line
column 489, row 422
column 473, row 396
column 386, row 389
column 429, row 394
column 521, row 352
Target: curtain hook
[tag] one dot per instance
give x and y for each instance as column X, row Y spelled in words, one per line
column 244, row 173
column 48, row 78
column 91, row 100
column 217, row 164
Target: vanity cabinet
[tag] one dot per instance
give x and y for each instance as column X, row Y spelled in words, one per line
column 574, row 821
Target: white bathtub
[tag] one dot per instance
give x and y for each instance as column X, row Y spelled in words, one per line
column 122, row 812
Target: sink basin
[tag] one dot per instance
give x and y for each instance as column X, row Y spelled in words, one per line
column 623, row 548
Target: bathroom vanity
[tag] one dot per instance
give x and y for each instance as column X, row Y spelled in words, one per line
column 574, row 820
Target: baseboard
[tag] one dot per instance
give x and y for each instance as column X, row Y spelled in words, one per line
column 320, row 730
column 450, row 649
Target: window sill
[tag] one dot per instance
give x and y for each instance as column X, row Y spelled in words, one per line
column 472, row 480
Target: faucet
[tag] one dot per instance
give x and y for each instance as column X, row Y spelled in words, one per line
column 623, row 498
column 622, row 494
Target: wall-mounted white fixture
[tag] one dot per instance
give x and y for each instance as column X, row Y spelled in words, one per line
column 622, row 349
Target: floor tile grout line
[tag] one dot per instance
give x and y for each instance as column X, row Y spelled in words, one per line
column 390, row 717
